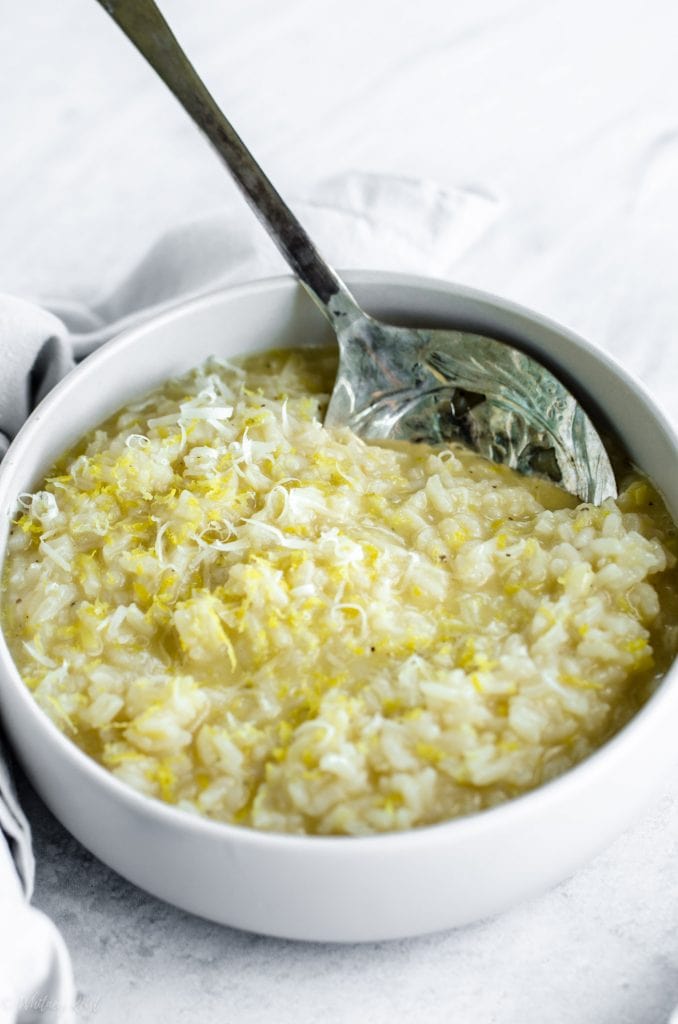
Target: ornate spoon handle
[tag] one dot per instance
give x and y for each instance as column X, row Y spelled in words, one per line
column 144, row 25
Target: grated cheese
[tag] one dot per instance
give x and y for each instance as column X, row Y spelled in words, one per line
column 258, row 620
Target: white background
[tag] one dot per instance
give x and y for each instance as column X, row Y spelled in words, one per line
column 566, row 113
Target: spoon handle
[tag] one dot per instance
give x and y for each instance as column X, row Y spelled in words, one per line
column 145, row 27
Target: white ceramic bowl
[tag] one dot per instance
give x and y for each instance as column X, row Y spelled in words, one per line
column 336, row 888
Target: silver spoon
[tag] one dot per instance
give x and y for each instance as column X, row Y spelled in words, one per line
column 398, row 382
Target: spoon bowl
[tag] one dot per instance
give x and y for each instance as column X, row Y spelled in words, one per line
column 437, row 386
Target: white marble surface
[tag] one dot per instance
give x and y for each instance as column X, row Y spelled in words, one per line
column 564, row 111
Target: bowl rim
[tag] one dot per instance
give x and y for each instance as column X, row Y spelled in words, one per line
column 469, row 826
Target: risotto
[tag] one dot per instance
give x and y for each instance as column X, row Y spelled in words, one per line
column 256, row 619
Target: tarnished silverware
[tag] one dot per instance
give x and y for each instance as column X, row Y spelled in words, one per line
column 398, row 382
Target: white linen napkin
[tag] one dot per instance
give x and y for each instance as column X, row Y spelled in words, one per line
column 364, row 220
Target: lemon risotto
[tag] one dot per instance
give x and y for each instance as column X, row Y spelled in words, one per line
column 268, row 623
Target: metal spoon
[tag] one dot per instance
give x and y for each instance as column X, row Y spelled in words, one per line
column 397, row 382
